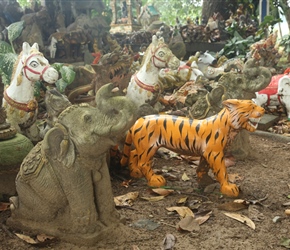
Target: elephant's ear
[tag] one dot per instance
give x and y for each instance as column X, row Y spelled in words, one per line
column 58, row 147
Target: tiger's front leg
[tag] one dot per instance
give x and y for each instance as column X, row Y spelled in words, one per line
column 217, row 164
column 153, row 180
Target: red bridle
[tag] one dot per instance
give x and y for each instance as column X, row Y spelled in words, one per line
column 26, row 67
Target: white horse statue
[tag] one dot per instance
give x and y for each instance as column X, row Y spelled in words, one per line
column 144, row 86
column 19, row 101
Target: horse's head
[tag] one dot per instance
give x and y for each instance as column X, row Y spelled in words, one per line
column 206, row 59
column 161, row 55
column 35, row 66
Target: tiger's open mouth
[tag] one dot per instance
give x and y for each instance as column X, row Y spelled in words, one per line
column 254, row 122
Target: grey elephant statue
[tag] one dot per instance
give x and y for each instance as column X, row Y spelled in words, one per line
column 63, row 185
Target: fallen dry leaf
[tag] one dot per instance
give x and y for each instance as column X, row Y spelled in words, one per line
column 4, row 206
column 134, row 247
column 232, row 206
column 182, row 200
column 234, row 177
column 126, row 199
column 43, row 237
column 126, row 183
column 168, row 242
column 162, row 191
column 185, row 177
column 26, row 238
column 242, row 218
column 188, row 223
column 202, row 217
column 153, row 198
column 182, row 211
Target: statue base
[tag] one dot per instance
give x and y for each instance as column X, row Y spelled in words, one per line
column 115, row 234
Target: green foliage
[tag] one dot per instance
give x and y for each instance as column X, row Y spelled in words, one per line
column 7, row 61
column 14, row 31
column 171, row 9
column 285, row 42
column 238, row 45
column 67, row 76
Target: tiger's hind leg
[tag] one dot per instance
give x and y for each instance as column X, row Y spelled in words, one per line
column 202, row 174
column 135, row 171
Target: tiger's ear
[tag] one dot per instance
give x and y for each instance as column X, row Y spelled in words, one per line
column 231, row 104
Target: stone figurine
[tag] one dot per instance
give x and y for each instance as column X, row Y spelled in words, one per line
column 63, row 185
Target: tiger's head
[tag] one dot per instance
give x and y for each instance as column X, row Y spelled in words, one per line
column 244, row 114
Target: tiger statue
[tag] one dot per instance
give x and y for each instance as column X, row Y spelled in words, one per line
column 206, row 138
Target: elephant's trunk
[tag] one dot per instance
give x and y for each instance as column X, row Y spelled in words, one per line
column 118, row 112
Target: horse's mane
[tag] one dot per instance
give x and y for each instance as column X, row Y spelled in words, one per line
column 15, row 65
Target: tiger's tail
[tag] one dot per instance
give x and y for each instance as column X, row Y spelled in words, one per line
column 127, row 149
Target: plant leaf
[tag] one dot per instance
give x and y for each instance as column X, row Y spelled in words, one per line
column 162, row 191
column 188, row 223
column 182, row 211
column 168, row 242
column 14, row 30
column 126, row 199
column 154, row 198
column 185, row 177
column 242, row 218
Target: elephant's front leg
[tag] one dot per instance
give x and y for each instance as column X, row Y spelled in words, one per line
column 217, row 164
column 103, row 193
column 79, row 191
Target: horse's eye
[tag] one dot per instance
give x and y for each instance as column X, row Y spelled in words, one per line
column 34, row 64
column 161, row 53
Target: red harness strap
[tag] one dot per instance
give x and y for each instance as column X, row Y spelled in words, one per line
column 143, row 85
column 27, row 107
column 26, row 67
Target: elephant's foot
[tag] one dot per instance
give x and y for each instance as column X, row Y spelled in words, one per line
column 229, row 189
column 156, row 181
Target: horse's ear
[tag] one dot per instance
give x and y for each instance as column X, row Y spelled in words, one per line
column 25, row 48
column 161, row 39
column 154, row 40
column 35, row 46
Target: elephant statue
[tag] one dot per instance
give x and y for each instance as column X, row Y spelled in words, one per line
column 63, row 184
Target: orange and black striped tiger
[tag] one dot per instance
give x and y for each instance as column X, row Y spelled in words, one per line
column 207, row 138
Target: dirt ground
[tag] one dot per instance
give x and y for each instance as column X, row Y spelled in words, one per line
column 266, row 177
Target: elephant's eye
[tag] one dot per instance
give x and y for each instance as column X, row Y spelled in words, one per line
column 87, row 118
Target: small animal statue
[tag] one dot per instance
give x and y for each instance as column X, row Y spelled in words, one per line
column 52, row 47
column 206, row 62
column 172, row 79
column 19, row 101
column 206, row 138
column 276, row 93
column 144, row 86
